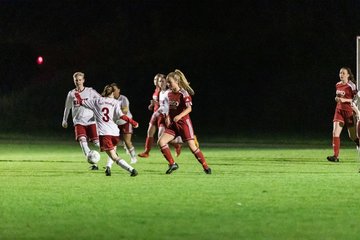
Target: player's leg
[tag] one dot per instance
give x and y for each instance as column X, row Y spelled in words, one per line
column 84, row 145
column 149, row 140
column 91, row 134
column 81, row 137
column 108, row 144
column 121, row 162
column 130, row 147
column 337, row 128
column 164, row 147
column 199, row 155
column 177, row 144
column 188, row 136
column 351, row 126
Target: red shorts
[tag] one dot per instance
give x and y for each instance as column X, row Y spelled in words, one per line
column 88, row 132
column 108, row 143
column 182, row 128
column 126, row 128
column 345, row 117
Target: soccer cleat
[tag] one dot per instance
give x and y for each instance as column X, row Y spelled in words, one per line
column 133, row 173
column 108, row 171
column 143, row 155
column 332, row 159
column 94, row 167
column 196, row 141
column 177, row 149
column 172, row 168
column 207, row 170
column 133, row 161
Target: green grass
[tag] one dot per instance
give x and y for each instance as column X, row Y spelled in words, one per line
column 267, row 192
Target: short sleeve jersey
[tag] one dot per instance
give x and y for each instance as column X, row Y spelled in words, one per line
column 80, row 114
column 164, row 101
column 155, row 98
column 347, row 90
column 124, row 103
column 106, row 112
column 178, row 102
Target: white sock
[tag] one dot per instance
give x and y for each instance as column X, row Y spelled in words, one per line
column 132, row 152
column 122, row 163
column 109, row 162
column 84, row 146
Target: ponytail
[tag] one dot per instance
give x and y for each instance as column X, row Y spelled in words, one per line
column 183, row 82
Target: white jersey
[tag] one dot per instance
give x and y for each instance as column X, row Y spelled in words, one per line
column 164, row 102
column 106, row 111
column 80, row 115
column 125, row 106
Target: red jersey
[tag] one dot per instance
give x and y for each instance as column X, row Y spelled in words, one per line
column 155, row 98
column 178, row 102
column 347, row 90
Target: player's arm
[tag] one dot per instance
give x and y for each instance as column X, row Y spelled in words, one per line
column 186, row 111
column 355, row 104
column 119, row 116
column 85, row 103
column 125, row 105
column 343, row 100
column 68, row 105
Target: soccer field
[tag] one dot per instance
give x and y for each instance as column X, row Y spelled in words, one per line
column 269, row 192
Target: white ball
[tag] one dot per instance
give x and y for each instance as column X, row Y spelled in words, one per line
column 93, row 157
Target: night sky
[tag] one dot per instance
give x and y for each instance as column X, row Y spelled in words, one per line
column 255, row 66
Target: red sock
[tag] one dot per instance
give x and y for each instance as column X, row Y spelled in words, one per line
column 148, row 144
column 336, row 146
column 200, row 157
column 167, row 154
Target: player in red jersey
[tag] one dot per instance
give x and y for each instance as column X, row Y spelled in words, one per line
column 154, row 105
column 344, row 112
column 83, row 119
column 178, row 122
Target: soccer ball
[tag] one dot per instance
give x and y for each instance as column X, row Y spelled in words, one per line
column 93, row 157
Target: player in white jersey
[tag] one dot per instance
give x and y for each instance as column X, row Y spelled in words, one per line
column 107, row 111
column 83, row 119
column 126, row 129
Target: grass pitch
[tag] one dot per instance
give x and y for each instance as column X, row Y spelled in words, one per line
column 268, row 192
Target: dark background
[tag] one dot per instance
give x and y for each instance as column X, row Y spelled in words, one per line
column 257, row 67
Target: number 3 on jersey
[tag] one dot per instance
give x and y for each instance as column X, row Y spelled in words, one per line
column 105, row 117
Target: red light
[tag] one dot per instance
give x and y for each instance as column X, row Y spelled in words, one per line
column 40, row 60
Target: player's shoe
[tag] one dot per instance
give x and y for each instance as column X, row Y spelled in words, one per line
column 196, row 141
column 332, row 159
column 94, row 167
column 108, row 171
column 143, row 155
column 207, row 170
column 172, row 168
column 133, row 173
column 177, row 149
column 133, row 160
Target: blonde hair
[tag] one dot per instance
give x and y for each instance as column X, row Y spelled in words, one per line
column 108, row 90
column 78, row 74
column 182, row 81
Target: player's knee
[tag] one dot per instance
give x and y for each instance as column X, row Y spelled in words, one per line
column 82, row 139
